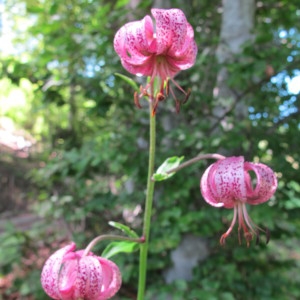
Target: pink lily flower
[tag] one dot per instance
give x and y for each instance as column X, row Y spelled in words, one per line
column 227, row 183
column 157, row 50
column 70, row 275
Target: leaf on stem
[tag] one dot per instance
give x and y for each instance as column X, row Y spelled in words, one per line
column 169, row 164
column 114, row 248
column 124, row 229
column 129, row 80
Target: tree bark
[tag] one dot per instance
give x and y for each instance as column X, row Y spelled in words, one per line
column 236, row 30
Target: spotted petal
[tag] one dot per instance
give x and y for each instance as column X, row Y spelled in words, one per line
column 224, row 183
column 90, row 278
column 131, row 40
column 185, row 58
column 266, row 183
column 171, row 29
column 162, row 51
column 51, row 271
column 112, row 279
column 133, row 43
column 205, row 186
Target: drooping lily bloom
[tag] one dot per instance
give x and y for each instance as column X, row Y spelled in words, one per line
column 157, row 50
column 70, row 275
column 227, row 183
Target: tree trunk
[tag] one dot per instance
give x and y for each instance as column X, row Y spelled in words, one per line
column 236, row 29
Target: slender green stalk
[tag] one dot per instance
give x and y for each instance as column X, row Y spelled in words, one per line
column 148, row 207
column 110, row 237
column 196, row 159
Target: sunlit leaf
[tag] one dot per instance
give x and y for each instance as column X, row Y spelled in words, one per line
column 123, row 228
column 114, row 248
column 169, row 164
column 129, row 80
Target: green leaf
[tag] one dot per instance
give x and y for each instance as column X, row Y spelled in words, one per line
column 169, row 164
column 114, row 248
column 123, row 228
column 129, row 80
column 121, row 3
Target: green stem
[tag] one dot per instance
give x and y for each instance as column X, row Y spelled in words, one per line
column 148, row 207
column 196, row 159
column 110, row 237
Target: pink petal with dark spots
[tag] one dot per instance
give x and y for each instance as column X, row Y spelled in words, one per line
column 266, row 183
column 90, row 278
column 171, row 30
column 227, row 182
column 162, row 51
column 68, row 275
column 112, row 279
column 224, row 182
column 206, row 191
column 51, row 271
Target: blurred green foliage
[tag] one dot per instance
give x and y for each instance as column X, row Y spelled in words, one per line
column 94, row 145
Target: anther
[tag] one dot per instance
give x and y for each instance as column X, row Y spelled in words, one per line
column 223, row 239
column 144, row 91
column 248, row 237
column 137, row 100
column 187, row 96
column 160, row 97
column 154, row 110
column 155, row 107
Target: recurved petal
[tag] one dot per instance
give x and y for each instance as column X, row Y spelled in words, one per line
column 205, row 187
column 225, row 182
column 266, row 183
column 137, row 35
column 145, row 69
column 90, row 278
column 134, row 44
column 171, row 29
column 121, row 44
column 185, row 60
column 51, row 271
column 229, row 180
column 119, row 41
column 67, row 280
column 132, row 40
column 112, row 279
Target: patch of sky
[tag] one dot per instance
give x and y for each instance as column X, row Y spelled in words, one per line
column 287, row 33
column 14, row 25
column 292, row 37
column 288, row 107
column 92, row 66
column 287, row 87
column 293, row 83
column 110, row 81
column 257, row 116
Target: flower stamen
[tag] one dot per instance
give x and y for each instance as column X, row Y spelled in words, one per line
column 227, row 233
column 246, row 226
column 137, row 100
column 187, row 96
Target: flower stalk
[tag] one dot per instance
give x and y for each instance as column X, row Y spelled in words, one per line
column 110, row 237
column 196, row 159
column 148, row 206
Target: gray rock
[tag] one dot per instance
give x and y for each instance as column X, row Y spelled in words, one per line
column 190, row 251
